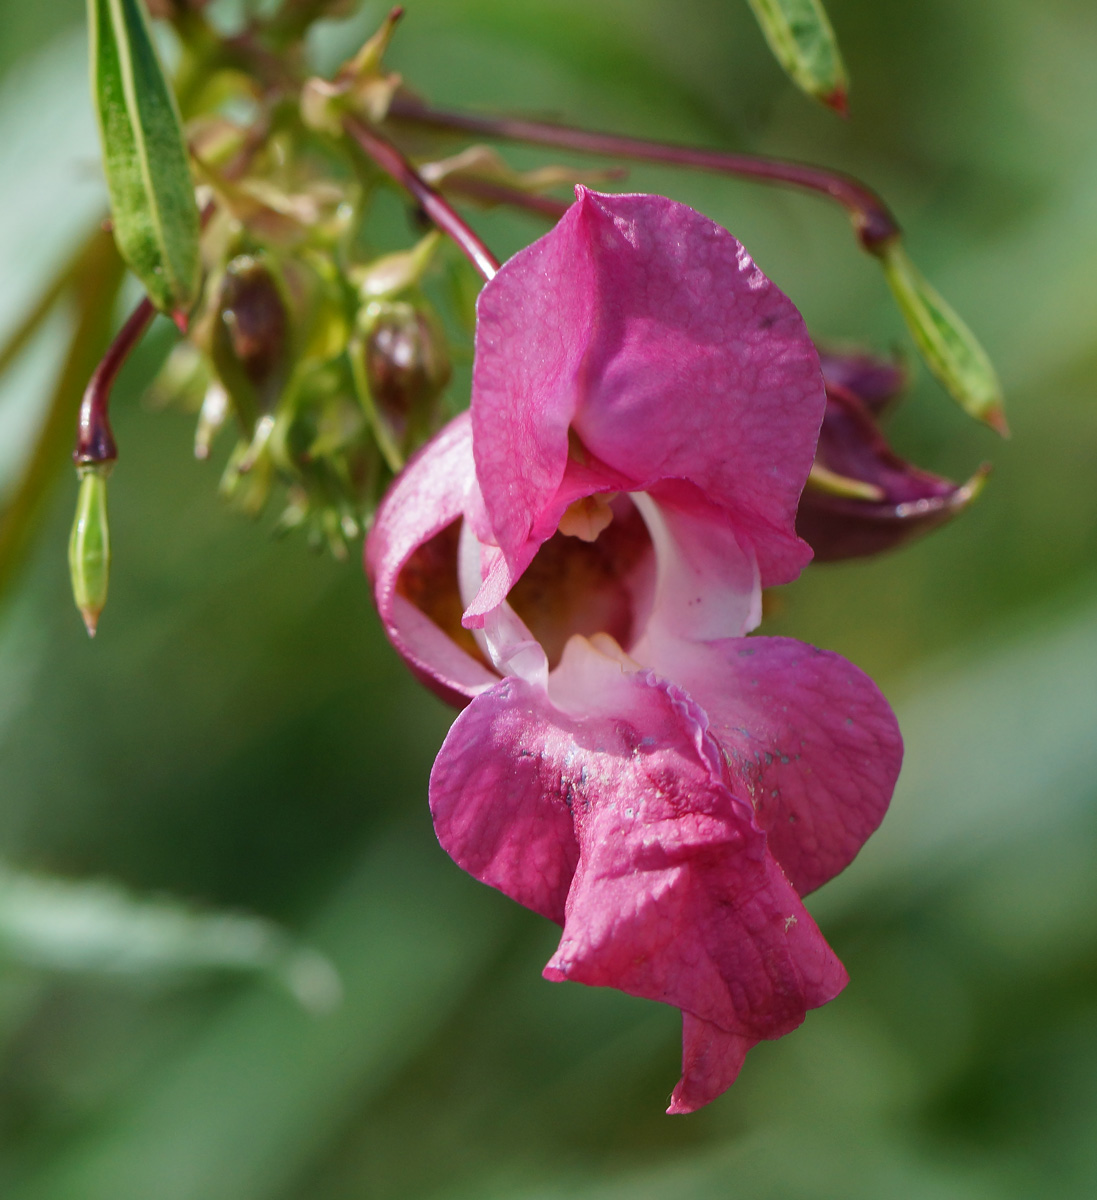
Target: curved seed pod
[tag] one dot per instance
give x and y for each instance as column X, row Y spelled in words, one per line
column 950, row 349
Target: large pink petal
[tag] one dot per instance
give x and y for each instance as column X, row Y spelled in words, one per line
column 808, row 736
column 534, row 322
column 429, row 495
column 675, row 896
column 500, row 793
column 711, row 1062
column 649, row 330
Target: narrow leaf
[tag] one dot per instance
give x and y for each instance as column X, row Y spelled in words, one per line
column 802, row 39
column 948, row 346
column 156, row 222
column 97, row 928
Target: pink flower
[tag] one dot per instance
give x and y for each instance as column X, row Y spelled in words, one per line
column 903, row 501
column 645, row 411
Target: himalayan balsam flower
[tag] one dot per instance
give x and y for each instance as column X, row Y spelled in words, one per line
column 645, row 409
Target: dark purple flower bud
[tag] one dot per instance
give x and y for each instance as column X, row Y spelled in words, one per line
column 250, row 337
column 407, row 368
column 872, row 379
column 862, row 498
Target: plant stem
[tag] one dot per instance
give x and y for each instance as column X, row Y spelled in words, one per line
column 95, row 281
column 437, row 208
column 487, row 192
column 872, row 220
column 94, row 439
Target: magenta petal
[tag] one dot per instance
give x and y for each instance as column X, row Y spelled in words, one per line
column 711, row 1062
column 499, row 796
column 676, row 897
column 874, row 380
column 910, row 501
column 811, row 740
column 649, row 331
column 429, row 495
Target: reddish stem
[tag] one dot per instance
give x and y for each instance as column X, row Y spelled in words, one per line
column 94, row 439
column 499, row 193
column 872, row 219
column 437, row 208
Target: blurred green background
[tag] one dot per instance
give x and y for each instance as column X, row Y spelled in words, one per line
column 240, row 736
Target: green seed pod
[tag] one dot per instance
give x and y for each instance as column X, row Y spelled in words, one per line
column 949, row 348
column 89, row 545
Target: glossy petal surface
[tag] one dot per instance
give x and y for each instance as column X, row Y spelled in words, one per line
column 648, row 332
column 808, row 738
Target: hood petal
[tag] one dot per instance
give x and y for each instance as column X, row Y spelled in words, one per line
column 648, row 332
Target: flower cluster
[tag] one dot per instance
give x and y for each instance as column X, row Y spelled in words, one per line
column 577, row 562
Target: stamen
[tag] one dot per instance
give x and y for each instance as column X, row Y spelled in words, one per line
column 587, row 518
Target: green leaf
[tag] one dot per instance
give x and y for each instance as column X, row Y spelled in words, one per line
column 802, row 39
column 950, row 349
column 97, row 927
column 156, row 222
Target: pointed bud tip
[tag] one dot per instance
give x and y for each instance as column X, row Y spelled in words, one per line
column 996, row 418
column 974, row 486
column 91, row 620
column 838, row 100
column 181, row 320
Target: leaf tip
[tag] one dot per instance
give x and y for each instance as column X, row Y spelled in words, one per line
column 995, row 417
column 838, row 100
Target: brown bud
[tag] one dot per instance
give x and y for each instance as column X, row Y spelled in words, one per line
column 407, row 367
column 250, row 336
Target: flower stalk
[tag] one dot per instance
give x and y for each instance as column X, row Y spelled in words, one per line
column 437, row 208
column 872, row 219
column 95, row 443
